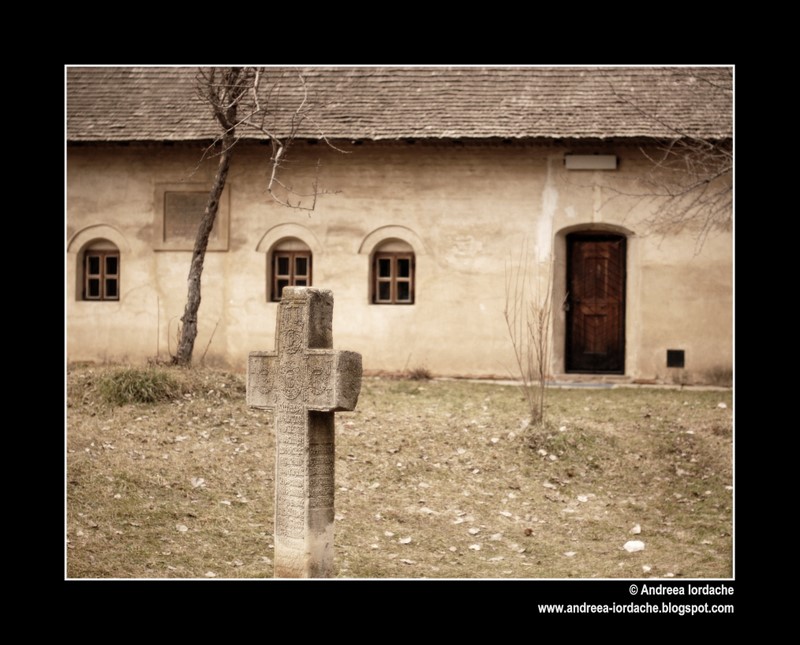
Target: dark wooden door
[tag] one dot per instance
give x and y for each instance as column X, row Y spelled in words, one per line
column 596, row 303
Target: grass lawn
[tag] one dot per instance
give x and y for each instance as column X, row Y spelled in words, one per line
column 439, row 479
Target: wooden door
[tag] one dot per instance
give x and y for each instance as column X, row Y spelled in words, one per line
column 596, row 303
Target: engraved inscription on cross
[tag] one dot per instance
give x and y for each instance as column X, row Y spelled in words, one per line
column 304, row 381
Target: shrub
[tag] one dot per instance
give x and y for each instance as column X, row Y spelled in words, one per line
column 419, row 374
column 135, row 385
column 721, row 376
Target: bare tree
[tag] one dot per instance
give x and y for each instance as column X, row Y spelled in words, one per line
column 243, row 104
column 528, row 314
column 690, row 179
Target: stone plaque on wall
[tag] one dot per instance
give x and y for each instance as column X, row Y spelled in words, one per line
column 182, row 214
column 178, row 211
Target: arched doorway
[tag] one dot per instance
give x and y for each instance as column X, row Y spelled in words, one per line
column 595, row 302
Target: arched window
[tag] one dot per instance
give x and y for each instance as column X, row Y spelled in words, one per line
column 393, row 274
column 288, row 265
column 101, row 271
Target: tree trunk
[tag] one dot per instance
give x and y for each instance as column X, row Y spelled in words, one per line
column 189, row 319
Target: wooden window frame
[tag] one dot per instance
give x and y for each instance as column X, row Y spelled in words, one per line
column 292, row 277
column 393, row 279
column 103, row 276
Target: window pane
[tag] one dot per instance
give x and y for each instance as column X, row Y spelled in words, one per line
column 94, row 264
column 93, row 288
column 283, row 265
column 112, row 261
column 384, row 267
column 404, row 267
column 111, row 288
column 301, row 283
column 301, row 266
column 384, row 291
column 403, row 291
column 281, row 285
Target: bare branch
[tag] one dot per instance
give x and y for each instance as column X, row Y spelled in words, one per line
column 690, row 180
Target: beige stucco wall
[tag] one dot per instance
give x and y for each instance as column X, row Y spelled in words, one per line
column 468, row 211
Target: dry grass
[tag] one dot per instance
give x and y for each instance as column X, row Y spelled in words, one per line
column 185, row 488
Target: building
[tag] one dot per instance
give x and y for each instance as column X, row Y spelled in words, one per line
column 440, row 187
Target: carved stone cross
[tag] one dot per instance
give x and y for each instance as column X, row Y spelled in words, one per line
column 304, row 382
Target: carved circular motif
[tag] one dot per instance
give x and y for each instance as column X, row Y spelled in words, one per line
column 291, row 382
column 291, row 341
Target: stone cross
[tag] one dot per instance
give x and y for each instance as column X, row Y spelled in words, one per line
column 304, row 382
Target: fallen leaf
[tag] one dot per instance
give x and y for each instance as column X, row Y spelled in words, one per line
column 632, row 546
column 636, row 529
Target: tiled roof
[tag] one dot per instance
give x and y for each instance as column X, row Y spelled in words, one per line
column 160, row 103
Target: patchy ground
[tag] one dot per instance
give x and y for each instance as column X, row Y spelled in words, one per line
column 434, row 479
